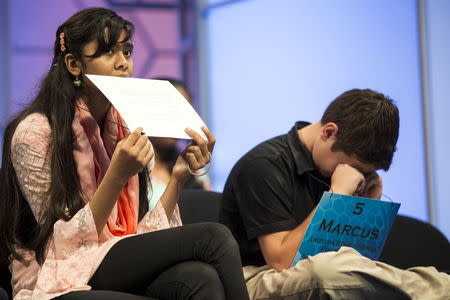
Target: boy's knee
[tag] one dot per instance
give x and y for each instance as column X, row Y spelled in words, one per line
column 339, row 269
column 324, row 271
column 335, row 268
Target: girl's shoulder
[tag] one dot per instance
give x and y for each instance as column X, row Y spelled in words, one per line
column 33, row 129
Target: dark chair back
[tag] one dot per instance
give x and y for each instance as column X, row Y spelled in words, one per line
column 3, row 295
column 410, row 243
column 414, row 243
column 199, row 206
column 5, row 282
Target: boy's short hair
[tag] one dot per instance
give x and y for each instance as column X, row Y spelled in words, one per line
column 368, row 124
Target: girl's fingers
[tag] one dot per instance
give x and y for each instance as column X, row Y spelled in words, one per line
column 141, row 144
column 198, row 140
column 192, row 161
column 148, row 157
column 198, row 155
column 210, row 137
column 133, row 137
column 145, row 150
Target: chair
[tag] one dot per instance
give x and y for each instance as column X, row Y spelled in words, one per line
column 199, row 206
column 415, row 243
column 3, row 294
column 410, row 243
column 5, row 282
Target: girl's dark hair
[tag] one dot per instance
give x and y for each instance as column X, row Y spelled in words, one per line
column 56, row 100
column 368, row 124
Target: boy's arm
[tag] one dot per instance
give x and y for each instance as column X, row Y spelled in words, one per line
column 279, row 248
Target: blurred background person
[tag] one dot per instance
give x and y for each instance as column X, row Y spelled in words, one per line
column 166, row 152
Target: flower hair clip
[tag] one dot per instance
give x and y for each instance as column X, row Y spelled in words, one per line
column 62, row 42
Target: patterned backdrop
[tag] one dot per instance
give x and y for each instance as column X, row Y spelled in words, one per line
column 163, row 40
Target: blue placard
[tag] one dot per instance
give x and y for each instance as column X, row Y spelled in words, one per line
column 356, row 222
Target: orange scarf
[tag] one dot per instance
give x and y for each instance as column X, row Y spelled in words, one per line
column 92, row 154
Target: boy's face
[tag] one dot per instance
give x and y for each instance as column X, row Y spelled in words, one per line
column 327, row 160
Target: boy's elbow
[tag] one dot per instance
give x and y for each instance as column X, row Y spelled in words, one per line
column 279, row 265
column 276, row 252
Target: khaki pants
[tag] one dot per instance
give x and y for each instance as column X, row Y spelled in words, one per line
column 346, row 275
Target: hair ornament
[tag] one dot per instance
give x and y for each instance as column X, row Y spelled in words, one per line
column 62, row 42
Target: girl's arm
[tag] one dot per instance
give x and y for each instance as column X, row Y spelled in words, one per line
column 196, row 156
column 131, row 155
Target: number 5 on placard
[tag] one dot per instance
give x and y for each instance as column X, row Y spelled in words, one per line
column 358, row 208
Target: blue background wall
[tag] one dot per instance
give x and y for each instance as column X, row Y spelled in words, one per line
column 272, row 62
column 438, row 54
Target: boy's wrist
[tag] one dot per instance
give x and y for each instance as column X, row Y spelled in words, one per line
column 340, row 190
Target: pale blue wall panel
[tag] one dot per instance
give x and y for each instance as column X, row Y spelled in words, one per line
column 273, row 62
column 438, row 50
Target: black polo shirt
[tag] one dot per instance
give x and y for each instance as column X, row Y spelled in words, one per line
column 270, row 189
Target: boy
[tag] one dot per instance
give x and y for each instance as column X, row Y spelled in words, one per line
column 271, row 194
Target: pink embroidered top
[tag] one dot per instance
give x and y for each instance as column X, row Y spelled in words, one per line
column 75, row 250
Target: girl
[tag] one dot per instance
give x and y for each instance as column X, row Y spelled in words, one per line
column 74, row 209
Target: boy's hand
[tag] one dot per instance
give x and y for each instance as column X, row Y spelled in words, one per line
column 373, row 186
column 346, row 180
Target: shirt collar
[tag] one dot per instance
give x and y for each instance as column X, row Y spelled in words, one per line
column 302, row 156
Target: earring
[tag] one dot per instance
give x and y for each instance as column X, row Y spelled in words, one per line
column 77, row 82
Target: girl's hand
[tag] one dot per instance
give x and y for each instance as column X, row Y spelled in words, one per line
column 131, row 155
column 196, row 155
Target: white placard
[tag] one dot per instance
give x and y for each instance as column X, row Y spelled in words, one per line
column 155, row 105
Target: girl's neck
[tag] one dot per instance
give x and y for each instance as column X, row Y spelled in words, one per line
column 160, row 171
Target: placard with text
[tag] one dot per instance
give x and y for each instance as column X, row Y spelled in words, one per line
column 351, row 221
